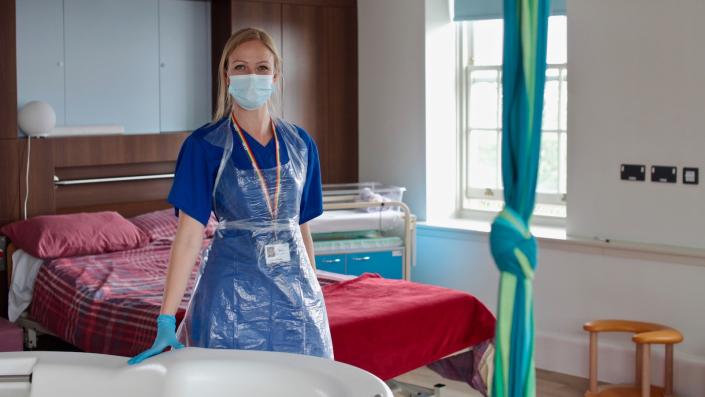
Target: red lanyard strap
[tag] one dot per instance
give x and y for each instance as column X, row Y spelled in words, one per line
column 273, row 207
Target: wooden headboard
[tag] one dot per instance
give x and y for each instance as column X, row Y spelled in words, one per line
column 81, row 158
column 98, row 157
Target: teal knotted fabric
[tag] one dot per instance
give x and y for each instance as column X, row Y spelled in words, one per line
column 513, row 247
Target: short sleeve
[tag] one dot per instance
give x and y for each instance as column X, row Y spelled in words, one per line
column 193, row 183
column 312, row 196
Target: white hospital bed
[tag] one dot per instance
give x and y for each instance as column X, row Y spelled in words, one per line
column 346, row 219
column 390, row 251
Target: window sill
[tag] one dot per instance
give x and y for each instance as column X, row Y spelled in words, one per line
column 556, row 238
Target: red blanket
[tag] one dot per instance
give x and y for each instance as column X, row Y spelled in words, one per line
column 108, row 303
column 390, row 327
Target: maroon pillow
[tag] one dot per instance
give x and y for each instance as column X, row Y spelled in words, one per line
column 161, row 225
column 54, row 236
column 158, row 225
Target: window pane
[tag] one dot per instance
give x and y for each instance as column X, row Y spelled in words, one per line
column 483, row 99
column 557, row 50
column 564, row 103
column 548, row 164
column 564, row 163
column 482, row 159
column 499, row 103
column 487, row 42
column 484, row 204
column 550, row 105
column 551, row 210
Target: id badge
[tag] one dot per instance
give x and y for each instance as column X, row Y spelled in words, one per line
column 276, row 253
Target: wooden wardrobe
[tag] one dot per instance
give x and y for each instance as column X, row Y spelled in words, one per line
column 318, row 44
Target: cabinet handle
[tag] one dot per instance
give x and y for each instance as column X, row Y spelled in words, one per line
column 336, row 260
column 361, row 258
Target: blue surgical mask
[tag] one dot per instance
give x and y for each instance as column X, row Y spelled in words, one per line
column 252, row 90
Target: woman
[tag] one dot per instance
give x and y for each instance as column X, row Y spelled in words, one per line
column 261, row 177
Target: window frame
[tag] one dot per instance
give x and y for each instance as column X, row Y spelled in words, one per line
column 464, row 69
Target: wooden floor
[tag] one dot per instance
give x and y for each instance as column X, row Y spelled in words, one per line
column 551, row 384
column 548, row 384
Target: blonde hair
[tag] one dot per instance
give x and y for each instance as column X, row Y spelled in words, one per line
column 224, row 100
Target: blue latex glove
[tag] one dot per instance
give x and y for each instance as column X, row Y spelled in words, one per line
column 166, row 337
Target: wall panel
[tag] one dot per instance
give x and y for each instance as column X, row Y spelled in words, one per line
column 8, row 71
column 40, row 200
column 341, row 132
column 9, row 189
column 306, row 75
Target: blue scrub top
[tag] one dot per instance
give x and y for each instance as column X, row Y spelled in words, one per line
column 197, row 167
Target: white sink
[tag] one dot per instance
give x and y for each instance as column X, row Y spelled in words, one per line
column 186, row 372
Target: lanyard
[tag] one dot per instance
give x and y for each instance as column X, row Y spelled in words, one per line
column 273, row 207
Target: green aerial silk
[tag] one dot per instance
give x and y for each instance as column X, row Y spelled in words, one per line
column 512, row 245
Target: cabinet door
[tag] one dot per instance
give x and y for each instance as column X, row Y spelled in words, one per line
column 185, row 67
column 387, row 264
column 331, row 263
column 40, row 53
column 112, row 63
column 305, row 97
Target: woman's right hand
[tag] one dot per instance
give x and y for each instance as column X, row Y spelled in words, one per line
column 166, row 337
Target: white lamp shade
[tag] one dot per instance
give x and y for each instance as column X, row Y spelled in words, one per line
column 36, row 118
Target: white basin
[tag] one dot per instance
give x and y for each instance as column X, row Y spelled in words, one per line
column 181, row 373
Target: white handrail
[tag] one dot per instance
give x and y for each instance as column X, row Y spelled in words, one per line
column 59, row 182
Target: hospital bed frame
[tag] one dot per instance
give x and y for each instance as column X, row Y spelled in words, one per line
column 344, row 202
column 409, row 390
column 30, row 329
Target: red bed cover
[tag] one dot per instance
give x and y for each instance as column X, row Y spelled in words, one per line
column 390, row 327
column 107, row 304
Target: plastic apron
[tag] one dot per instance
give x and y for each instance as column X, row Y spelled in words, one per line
column 244, row 299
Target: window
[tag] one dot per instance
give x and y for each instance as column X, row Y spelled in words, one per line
column 480, row 98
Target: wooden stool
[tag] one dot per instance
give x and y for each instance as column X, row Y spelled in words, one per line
column 645, row 335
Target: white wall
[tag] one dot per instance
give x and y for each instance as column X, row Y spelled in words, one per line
column 636, row 95
column 575, row 284
column 392, row 96
column 441, row 135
